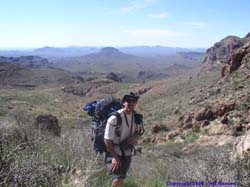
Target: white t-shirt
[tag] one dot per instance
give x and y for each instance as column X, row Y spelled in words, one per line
column 126, row 131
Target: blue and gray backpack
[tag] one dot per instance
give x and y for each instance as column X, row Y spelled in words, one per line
column 101, row 110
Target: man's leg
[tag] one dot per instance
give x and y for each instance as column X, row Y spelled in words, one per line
column 117, row 183
column 119, row 175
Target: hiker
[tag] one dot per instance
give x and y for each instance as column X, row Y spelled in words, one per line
column 120, row 143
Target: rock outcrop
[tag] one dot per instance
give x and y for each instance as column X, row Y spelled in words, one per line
column 202, row 117
column 74, row 91
column 220, row 53
column 113, row 76
column 48, row 123
column 157, row 128
column 242, row 146
column 236, row 59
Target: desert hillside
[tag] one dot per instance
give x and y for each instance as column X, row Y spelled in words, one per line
column 194, row 119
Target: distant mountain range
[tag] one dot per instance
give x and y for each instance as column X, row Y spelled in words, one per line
column 100, row 62
column 157, row 50
column 56, row 52
column 131, row 67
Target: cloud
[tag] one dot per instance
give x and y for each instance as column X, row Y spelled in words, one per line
column 196, row 25
column 132, row 7
column 159, row 15
column 149, row 1
column 152, row 32
column 136, row 5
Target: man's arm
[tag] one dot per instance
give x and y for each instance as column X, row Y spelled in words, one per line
column 110, row 148
column 116, row 163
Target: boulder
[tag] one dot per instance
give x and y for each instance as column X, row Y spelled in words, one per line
column 224, row 119
column 187, row 126
column 203, row 114
column 74, row 91
column 198, row 124
column 176, row 111
column 195, row 100
column 188, row 118
column 157, row 128
column 223, row 107
column 113, row 76
column 242, row 146
column 48, row 123
column 172, row 134
column 146, row 140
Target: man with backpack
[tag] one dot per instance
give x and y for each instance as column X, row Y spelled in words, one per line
column 120, row 139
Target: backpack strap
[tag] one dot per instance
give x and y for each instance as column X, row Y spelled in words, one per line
column 138, row 121
column 118, row 130
column 118, row 124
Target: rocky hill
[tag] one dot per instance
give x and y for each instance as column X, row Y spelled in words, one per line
column 211, row 108
column 27, row 61
column 220, row 52
column 28, row 75
column 109, row 54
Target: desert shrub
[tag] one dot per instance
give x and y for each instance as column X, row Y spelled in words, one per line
column 101, row 178
column 205, row 164
column 147, row 182
column 2, row 113
column 31, row 158
column 242, row 168
column 238, row 133
column 28, row 158
column 191, row 136
column 21, row 163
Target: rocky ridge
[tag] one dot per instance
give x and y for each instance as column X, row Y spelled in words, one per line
column 216, row 114
column 237, row 59
column 221, row 51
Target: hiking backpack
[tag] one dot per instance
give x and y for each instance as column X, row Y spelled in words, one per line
column 100, row 111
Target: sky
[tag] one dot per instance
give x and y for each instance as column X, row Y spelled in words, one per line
column 174, row 23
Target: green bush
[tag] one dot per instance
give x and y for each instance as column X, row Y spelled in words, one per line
column 191, row 136
column 100, row 179
column 153, row 182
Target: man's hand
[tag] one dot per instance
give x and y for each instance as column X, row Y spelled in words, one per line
column 133, row 140
column 116, row 163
